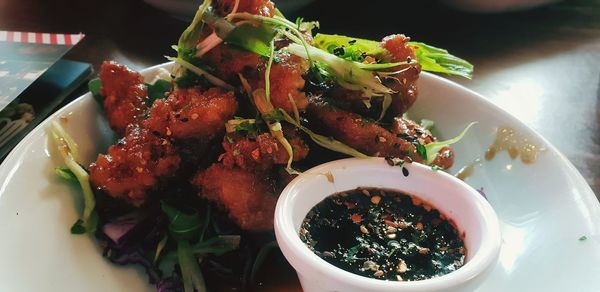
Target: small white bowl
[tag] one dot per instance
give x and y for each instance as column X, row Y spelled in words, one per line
column 471, row 213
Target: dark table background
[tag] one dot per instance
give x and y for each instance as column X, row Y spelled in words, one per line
column 541, row 65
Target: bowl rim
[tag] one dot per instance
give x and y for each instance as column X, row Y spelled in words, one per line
column 298, row 254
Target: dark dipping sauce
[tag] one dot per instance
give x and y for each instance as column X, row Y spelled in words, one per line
column 383, row 234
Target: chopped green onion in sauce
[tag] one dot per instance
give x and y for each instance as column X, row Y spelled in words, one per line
column 383, row 234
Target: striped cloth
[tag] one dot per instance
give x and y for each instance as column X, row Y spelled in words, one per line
column 40, row 38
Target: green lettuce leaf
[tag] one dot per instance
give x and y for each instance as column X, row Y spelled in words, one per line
column 432, row 149
column 429, row 57
column 439, row 60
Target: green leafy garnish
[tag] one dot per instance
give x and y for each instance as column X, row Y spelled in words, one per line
column 191, row 34
column 435, row 168
column 158, row 89
column 582, row 238
column 256, row 39
column 69, row 150
column 242, row 126
column 184, row 226
column 439, row 60
column 274, row 116
column 433, row 148
column 217, row 245
column 429, row 57
column 261, row 257
column 191, row 275
column 190, row 79
column 427, row 124
column 268, row 71
column 422, row 151
column 66, row 174
column 94, row 86
column 349, row 74
column 353, row 49
column 160, row 247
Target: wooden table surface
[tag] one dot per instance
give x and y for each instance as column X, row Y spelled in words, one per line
column 542, row 65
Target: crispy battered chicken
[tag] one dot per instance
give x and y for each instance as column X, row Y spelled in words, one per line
column 286, row 77
column 374, row 140
column 134, row 166
column 359, row 133
column 286, row 82
column 242, row 182
column 125, row 96
column 192, row 113
column 248, row 196
column 405, row 82
column 263, row 152
column 411, row 131
column 227, row 62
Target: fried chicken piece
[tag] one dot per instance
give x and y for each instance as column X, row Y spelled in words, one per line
column 125, row 96
column 405, row 82
column 263, row 152
column 227, row 62
column 191, row 113
column 286, row 82
column 248, row 196
column 360, row 133
column 413, row 132
column 374, row 140
column 258, row 7
column 286, row 77
column 134, row 166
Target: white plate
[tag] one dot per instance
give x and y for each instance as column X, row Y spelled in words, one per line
column 544, row 207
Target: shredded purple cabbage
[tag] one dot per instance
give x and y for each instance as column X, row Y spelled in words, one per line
column 170, row 284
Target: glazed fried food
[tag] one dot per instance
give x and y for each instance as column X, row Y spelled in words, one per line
column 263, row 152
column 134, row 166
column 287, row 82
column 192, row 114
column 405, row 82
column 414, row 133
column 125, row 96
column 286, row 77
column 359, row 133
column 402, row 80
column 227, row 62
column 258, row 7
column 248, row 196
column 371, row 138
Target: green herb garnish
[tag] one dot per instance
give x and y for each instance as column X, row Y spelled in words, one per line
column 422, row 151
column 66, row 174
column 69, row 151
column 435, row 168
column 429, row 57
column 94, row 86
column 158, row 89
column 433, row 148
